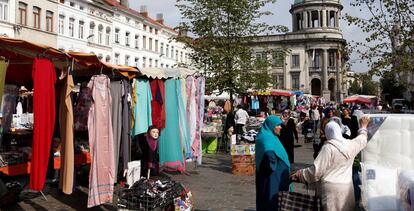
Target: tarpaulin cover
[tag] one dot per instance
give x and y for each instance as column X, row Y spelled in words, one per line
column 163, row 73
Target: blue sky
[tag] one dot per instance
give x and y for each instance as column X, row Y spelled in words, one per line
column 281, row 16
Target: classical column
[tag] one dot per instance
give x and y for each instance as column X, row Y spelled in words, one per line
column 339, row 16
column 319, row 19
column 323, row 18
column 339, row 95
column 325, row 90
column 305, row 19
column 306, row 70
column 310, row 20
column 336, row 19
column 294, row 23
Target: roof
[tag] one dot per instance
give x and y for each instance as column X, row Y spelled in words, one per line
column 164, row 73
column 116, row 4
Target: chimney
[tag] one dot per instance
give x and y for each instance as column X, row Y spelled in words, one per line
column 125, row 3
column 143, row 10
column 160, row 18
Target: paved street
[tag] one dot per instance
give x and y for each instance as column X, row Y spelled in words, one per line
column 213, row 186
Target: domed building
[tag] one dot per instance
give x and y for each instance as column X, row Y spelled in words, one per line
column 308, row 58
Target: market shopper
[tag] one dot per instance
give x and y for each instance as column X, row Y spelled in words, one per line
column 288, row 134
column 241, row 117
column 333, row 167
column 272, row 165
column 328, row 113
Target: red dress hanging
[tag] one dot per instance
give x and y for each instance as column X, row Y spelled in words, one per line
column 157, row 103
column 44, row 112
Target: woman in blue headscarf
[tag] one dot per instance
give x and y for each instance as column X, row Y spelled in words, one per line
column 272, row 165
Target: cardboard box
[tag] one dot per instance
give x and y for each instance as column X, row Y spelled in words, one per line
column 242, row 169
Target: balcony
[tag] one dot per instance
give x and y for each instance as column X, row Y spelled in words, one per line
column 315, row 69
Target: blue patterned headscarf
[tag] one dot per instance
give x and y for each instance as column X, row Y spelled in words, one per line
column 267, row 140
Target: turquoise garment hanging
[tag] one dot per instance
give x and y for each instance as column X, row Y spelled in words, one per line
column 142, row 109
column 170, row 147
column 182, row 112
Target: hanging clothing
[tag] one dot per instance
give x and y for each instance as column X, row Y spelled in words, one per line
column 3, row 71
column 183, row 120
column 158, row 103
column 191, row 111
column 272, row 166
column 142, row 109
column 81, row 110
column 102, row 173
column 117, row 91
column 66, row 133
column 44, row 113
column 200, row 84
column 170, row 146
column 126, row 126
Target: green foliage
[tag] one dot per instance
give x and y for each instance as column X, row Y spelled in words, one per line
column 354, row 88
column 223, row 32
column 363, row 85
column 390, row 29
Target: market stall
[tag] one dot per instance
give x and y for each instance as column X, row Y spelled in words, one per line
column 67, row 83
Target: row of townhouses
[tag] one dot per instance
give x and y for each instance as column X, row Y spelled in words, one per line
column 110, row 29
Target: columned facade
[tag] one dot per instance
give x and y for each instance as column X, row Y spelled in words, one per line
column 313, row 62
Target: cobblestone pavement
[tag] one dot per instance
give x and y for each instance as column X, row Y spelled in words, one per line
column 212, row 184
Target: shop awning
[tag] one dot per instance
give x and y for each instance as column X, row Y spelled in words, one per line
column 152, row 72
column 279, row 92
column 357, row 99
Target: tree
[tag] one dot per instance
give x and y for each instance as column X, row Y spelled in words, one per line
column 390, row 29
column 363, row 85
column 224, row 30
column 391, row 87
column 354, row 88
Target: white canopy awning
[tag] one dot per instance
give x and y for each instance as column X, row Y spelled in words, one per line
column 153, row 72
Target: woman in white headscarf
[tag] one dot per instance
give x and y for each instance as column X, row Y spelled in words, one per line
column 333, row 167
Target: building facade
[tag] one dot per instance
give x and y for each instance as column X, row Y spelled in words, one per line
column 35, row 21
column 308, row 58
column 110, row 29
column 7, row 17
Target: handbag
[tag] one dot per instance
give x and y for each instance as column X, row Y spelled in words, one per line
column 289, row 201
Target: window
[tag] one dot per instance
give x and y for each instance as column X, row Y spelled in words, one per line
column 100, row 34
column 116, row 58
column 162, row 65
column 100, row 56
column 156, row 63
column 127, row 38
column 116, row 35
column 108, row 36
column 156, row 31
column 150, row 31
column 4, row 10
column 49, row 21
column 176, row 55
column 331, row 61
column 278, row 82
column 81, row 8
column 295, row 61
column 61, row 24
column 136, row 42
column 71, row 27
column 71, row 4
column 144, row 27
column 278, row 58
column 317, row 59
column 126, row 60
column 144, row 62
column 62, row 1
column 91, row 32
column 108, row 59
column 172, row 52
column 181, row 57
column 144, row 42
column 167, row 51
column 167, row 66
column 136, row 61
column 156, row 45
column 22, row 13
column 149, row 62
column 150, row 44
column 36, row 17
column 295, row 81
column 162, row 49
column 81, row 27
